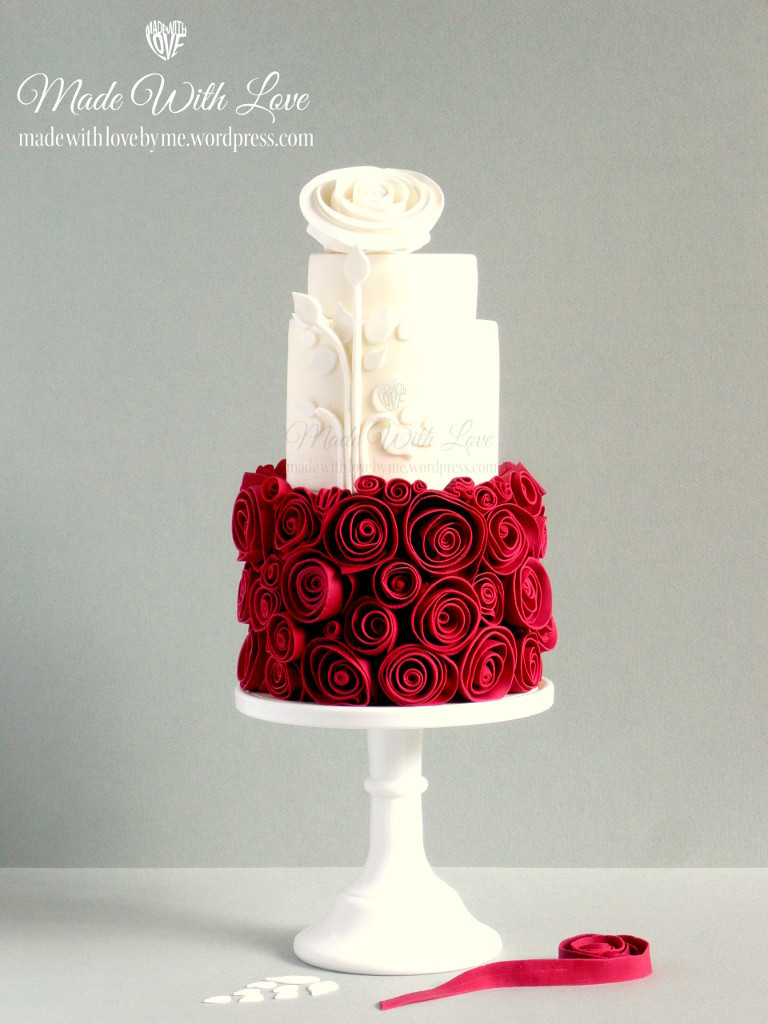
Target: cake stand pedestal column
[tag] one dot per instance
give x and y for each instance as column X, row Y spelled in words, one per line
column 397, row 917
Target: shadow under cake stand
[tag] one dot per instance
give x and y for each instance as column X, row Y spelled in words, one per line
column 397, row 917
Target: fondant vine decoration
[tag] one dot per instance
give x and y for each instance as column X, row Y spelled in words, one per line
column 343, row 347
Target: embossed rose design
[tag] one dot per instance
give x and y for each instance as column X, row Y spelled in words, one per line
column 375, row 209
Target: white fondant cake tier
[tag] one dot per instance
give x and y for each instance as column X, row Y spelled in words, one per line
column 428, row 394
column 426, row 286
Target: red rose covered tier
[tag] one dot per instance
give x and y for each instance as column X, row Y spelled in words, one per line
column 395, row 594
column 389, row 559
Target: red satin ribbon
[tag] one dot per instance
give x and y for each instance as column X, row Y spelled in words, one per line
column 582, row 960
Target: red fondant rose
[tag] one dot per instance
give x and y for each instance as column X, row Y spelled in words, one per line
column 548, row 636
column 446, row 615
column 246, row 529
column 528, row 596
column 502, row 486
column 285, row 638
column 490, row 594
column 526, row 491
column 540, row 547
column 396, row 583
column 359, row 533
column 295, row 522
column 333, row 629
column 250, row 663
column 281, row 681
column 442, row 534
column 254, row 513
column 333, row 674
column 600, row 947
column 512, row 535
column 462, row 486
column 327, row 497
column 487, row 667
column 397, row 493
column 370, row 627
column 271, row 570
column 485, row 497
column 529, row 670
column 264, row 603
column 370, row 485
column 411, row 675
column 311, row 586
column 248, row 581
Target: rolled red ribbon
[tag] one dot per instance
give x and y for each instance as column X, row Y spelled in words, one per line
column 582, row 960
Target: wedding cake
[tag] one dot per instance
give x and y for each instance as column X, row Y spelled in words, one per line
column 389, row 558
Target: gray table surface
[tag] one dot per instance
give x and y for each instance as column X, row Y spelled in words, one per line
column 148, row 946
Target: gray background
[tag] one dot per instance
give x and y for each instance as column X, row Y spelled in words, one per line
column 606, row 162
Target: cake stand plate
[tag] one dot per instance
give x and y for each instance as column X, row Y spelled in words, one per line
column 397, row 917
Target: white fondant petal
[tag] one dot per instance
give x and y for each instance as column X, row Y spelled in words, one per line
column 323, row 361
column 374, row 359
column 342, row 324
column 322, row 988
column 357, row 266
column 307, row 309
column 379, row 327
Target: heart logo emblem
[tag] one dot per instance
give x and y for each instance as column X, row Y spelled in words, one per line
column 166, row 40
column 391, row 394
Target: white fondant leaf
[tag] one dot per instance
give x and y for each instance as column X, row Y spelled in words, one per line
column 307, row 309
column 252, row 996
column 323, row 361
column 342, row 324
column 357, row 266
column 379, row 327
column 374, row 359
column 407, row 415
column 218, row 999
column 309, row 337
column 403, row 332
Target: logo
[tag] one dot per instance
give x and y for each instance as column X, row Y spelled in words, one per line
column 390, row 394
column 166, row 40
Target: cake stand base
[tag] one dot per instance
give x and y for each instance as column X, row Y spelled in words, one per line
column 424, row 931
column 397, row 917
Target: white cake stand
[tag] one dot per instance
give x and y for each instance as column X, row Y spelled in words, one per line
column 397, row 917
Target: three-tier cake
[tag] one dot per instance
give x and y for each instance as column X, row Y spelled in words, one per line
column 389, row 559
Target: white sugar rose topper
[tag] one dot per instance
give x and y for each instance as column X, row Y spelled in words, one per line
column 371, row 208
